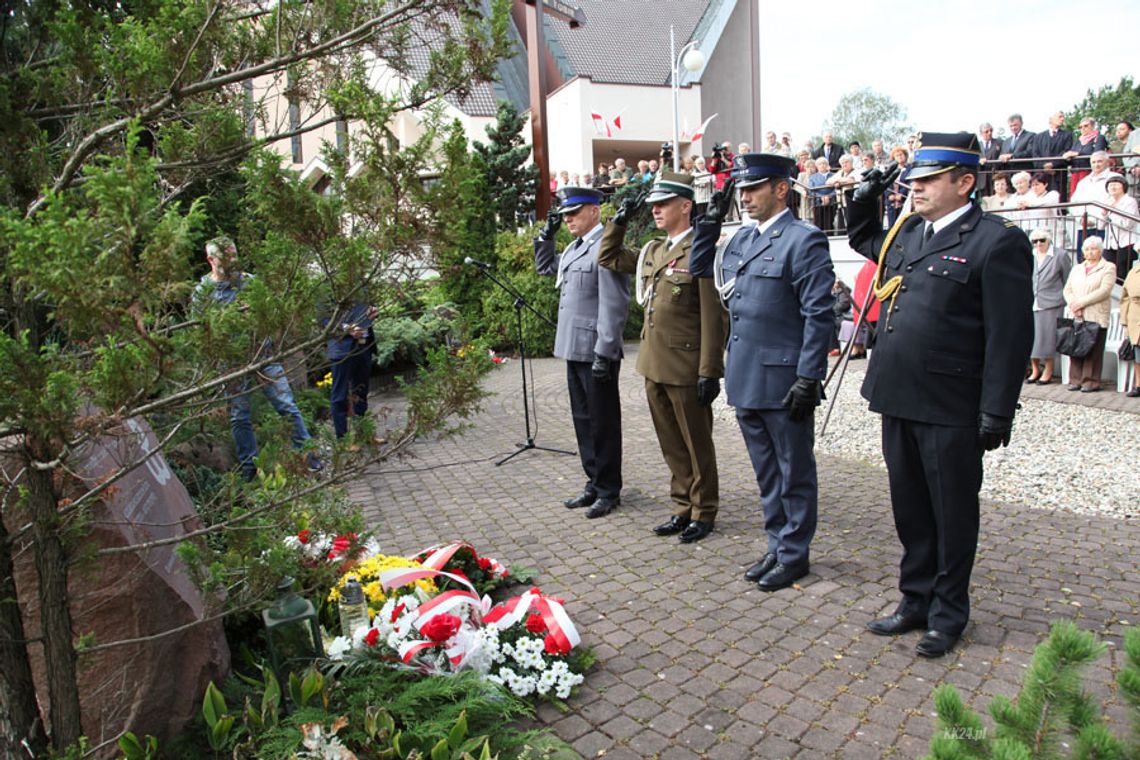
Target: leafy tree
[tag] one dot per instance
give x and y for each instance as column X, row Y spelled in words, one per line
column 865, row 115
column 506, row 169
column 1108, row 106
column 115, row 116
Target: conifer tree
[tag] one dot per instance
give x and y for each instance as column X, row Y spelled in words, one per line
column 1052, row 717
column 506, row 169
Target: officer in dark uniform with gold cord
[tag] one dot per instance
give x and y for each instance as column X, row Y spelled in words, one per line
column 947, row 367
column 682, row 349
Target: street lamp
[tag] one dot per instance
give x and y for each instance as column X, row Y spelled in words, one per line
column 692, row 59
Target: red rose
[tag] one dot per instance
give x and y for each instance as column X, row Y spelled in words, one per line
column 441, row 627
column 484, row 564
column 554, row 648
column 397, row 612
column 535, row 623
column 372, row 637
column 304, row 536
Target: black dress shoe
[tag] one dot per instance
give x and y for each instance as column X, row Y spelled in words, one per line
column 900, row 622
column 584, row 499
column 697, row 530
column 602, row 507
column 674, row 524
column 761, row 568
column 782, row 576
column 935, row 643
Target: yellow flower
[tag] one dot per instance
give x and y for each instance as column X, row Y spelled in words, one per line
column 325, row 381
column 367, row 572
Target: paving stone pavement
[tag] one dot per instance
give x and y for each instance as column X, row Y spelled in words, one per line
column 693, row 661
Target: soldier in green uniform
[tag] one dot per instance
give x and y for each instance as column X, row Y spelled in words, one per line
column 682, row 349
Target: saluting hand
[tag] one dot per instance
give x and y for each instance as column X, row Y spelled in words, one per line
column 629, row 207
column 721, row 203
column 876, row 182
column 553, row 223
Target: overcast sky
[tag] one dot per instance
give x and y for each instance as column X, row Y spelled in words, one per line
column 951, row 65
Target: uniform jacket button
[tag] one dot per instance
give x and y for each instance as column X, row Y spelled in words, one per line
column 736, row 337
column 909, row 268
column 890, row 328
column 903, row 288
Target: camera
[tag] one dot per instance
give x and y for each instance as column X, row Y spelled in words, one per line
column 720, row 148
column 667, row 151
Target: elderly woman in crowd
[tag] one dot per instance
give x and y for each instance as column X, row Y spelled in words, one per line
column 844, row 182
column 996, row 202
column 1088, row 141
column 897, row 192
column 1088, row 293
column 822, row 196
column 702, row 186
column 1119, row 228
column 1016, row 204
column 1044, row 218
column 1051, row 270
column 807, row 168
column 1130, row 320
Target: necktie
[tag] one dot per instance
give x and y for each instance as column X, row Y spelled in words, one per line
column 927, row 235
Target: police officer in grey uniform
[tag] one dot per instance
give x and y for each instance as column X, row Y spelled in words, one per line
column 949, row 362
column 776, row 279
column 592, row 309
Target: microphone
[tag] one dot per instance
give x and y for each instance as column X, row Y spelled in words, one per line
column 476, row 262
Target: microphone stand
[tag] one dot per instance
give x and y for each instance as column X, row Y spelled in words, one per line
column 520, row 303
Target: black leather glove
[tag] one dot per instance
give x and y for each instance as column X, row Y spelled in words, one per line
column 600, row 369
column 876, row 182
column 993, row 431
column 553, row 223
column 720, row 203
column 708, row 388
column 803, row 397
column 629, row 207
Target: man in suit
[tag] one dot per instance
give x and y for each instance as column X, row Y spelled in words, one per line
column 991, row 150
column 1048, row 145
column 776, row 277
column 948, row 365
column 1019, row 144
column 828, row 150
column 592, row 308
column 682, row 349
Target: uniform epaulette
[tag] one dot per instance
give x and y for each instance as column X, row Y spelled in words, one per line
column 1010, row 223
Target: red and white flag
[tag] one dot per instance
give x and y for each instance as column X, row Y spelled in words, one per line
column 617, row 120
column 701, row 129
column 601, row 126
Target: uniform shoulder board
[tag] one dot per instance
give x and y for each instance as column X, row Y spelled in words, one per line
column 1009, row 223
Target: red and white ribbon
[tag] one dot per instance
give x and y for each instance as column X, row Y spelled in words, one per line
column 402, row 576
column 558, row 623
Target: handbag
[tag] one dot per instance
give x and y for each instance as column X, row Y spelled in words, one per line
column 1127, row 351
column 1076, row 337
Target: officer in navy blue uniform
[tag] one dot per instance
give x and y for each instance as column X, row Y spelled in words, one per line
column 948, row 365
column 776, row 279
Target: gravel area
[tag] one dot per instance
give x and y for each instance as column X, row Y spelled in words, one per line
column 1061, row 457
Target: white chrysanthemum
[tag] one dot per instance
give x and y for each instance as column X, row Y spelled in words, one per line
column 340, row 645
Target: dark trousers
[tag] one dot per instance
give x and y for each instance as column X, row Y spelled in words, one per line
column 782, row 458
column 684, row 430
column 1086, row 372
column 935, row 473
column 596, row 409
column 350, row 376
